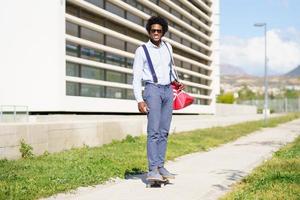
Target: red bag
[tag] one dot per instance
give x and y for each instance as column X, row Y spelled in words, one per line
column 181, row 99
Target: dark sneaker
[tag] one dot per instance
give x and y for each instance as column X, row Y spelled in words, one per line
column 165, row 173
column 154, row 176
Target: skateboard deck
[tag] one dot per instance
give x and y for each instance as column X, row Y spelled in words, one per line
column 157, row 183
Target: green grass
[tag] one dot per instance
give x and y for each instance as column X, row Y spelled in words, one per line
column 277, row 179
column 49, row 174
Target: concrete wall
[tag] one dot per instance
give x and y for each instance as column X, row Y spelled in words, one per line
column 235, row 109
column 55, row 137
column 62, row 132
column 32, row 64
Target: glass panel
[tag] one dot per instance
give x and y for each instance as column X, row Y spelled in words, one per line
column 186, row 43
column 175, row 13
column 72, row 89
column 89, row 90
column 195, row 68
column 130, row 94
column 117, row 93
column 116, row 27
column 195, row 47
column 131, row 2
column 72, row 49
column 92, row 73
column 114, row 9
column 98, row 3
column 70, row 9
column 129, row 78
column 180, row 75
column 92, row 17
column 186, row 20
column 92, row 54
column 187, row 77
column 115, row 43
column 195, row 79
column 136, row 35
column 186, row 65
column 131, row 47
column 115, row 60
column 72, row 29
column 175, row 38
column 92, row 35
column 115, row 76
column 134, row 18
column 163, row 6
column 72, row 69
column 129, row 63
column 177, row 62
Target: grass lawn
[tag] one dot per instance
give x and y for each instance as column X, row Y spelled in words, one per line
column 276, row 179
column 49, row 174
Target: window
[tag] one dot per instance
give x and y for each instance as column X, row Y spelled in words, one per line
column 114, row 9
column 72, row 69
column 163, row 6
column 177, row 62
column 115, row 59
column 72, row 49
column 91, row 17
column 117, row 93
column 129, row 63
column 91, row 35
column 134, row 18
column 130, row 94
column 115, row 43
column 72, row 89
column 129, row 78
column 92, row 54
column 92, row 73
column 131, row 47
column 89, row 90
column 70, row 9
column 72, row 29
column 114, row 76
column 98, row 3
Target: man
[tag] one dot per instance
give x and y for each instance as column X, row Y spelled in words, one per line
column 155, row 70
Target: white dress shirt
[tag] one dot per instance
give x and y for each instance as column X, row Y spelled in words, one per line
column 161, row 60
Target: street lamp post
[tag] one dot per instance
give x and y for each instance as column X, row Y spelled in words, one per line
column 266, row 72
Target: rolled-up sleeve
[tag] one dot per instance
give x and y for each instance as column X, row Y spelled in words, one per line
column 138, row 66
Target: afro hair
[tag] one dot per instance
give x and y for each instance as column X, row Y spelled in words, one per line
column 157, row 20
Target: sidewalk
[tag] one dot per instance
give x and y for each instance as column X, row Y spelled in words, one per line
column 199, row 176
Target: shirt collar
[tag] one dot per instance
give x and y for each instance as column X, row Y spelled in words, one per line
column 150, row 44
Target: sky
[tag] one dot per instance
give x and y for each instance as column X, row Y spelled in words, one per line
column 242, row 44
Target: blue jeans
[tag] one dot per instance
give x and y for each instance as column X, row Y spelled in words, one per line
column 159, row 99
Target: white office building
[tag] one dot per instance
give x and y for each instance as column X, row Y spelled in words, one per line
column 76, row 56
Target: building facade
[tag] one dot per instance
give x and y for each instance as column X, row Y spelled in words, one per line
column 77, row 55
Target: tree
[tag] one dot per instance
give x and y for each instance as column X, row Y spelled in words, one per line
column 246, row 94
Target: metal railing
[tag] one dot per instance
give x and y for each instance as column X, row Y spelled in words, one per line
column 13, row 113
column 276, row 105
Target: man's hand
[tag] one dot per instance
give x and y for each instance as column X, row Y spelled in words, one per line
column 143, row 108
column 179, row 85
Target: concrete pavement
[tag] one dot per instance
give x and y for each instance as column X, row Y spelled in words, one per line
column 200, row 176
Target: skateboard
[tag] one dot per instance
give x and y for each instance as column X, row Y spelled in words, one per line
column 157, row 183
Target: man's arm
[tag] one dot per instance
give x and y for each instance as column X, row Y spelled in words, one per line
column 174, row 78
column 137, row 80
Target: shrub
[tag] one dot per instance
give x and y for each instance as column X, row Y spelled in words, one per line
column 226, row 98
column 26, row 150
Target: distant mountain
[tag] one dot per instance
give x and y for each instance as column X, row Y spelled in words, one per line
column 227, row 70
column 295, row 72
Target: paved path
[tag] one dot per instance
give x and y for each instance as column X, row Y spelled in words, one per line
column 200, row 176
